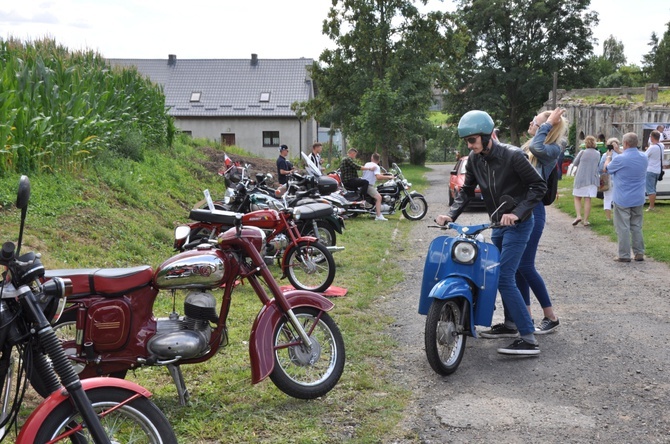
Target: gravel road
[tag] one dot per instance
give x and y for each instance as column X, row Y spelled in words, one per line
column 603, row 376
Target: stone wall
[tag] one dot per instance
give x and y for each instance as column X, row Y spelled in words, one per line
column 612, row 120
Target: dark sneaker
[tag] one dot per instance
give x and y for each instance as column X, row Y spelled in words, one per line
column 520, row 347
column 547, row 326
column 500, row 331
column 639, row 257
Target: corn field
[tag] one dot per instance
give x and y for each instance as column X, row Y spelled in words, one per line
column 61, row 109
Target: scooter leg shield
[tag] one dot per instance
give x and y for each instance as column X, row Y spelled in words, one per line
column 261, row 349
column 38, row 416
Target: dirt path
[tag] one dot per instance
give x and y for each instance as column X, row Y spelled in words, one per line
column 602, row 377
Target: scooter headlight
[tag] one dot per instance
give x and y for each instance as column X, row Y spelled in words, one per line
column 464, row 252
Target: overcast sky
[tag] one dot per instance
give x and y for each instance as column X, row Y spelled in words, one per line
column 272, row 29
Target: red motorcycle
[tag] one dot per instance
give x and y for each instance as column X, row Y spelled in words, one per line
column 307, row 263
column 293, row 340
column 100, row 410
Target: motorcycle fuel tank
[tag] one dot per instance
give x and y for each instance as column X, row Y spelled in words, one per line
column 191, row 269
column 261, row 218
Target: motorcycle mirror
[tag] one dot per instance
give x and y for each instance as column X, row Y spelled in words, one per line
column 506, row 205
column 23, row 195
column 181, row 232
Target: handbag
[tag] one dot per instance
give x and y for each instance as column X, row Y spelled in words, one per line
column 604, row 182
column 660, row 176
column 572, row 170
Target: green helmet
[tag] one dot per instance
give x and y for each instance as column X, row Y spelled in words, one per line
column 474, row 123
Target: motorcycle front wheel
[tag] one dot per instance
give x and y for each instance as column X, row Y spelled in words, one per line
column 303, row 373
column 415, row 208
column 138, row 421
column 445, row 345
column 310, row 266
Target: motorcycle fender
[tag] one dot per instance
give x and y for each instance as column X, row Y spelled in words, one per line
column 448, row 288
column 261, row 351
column 337, row 222
column 39, row 415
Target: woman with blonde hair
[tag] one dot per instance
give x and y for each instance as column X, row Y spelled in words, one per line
column 547, row 131
column 587, row 179
column 613, row 147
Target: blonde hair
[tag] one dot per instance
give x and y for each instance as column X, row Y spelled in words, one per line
column 612, row 140
column 556, row 133
column 590, row 142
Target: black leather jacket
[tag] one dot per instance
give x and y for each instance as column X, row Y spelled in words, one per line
column 505, row 170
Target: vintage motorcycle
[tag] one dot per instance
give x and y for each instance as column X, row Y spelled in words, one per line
column 103, row 410
column 395, row 196
column 307, row 263
column 458, row 290
column 113, row 329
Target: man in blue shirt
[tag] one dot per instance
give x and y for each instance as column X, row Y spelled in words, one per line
column 629, row 172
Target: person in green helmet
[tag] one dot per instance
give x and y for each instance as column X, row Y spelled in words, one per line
column 509, row 185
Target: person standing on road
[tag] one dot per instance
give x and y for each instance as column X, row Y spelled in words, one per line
column 547, row 130
column 371, row 174
column 655, row 158
column 587, row 179
column 628, row 171
column 502, row 170
column 613, row 150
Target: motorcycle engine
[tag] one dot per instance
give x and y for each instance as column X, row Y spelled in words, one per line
column 186, row 337
column 279, row 243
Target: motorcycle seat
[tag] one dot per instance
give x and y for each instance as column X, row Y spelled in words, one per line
column 315, row 210
column 109, row 282
column 216, row 216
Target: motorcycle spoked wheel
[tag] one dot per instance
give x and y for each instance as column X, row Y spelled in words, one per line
column 327, row 234
column 302, row 374
column 139, row 421
column 310, row 266
column 415, row 209
column 445, row 346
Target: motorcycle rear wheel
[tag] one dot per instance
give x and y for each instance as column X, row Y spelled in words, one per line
column 327, row 234
column 415, row 209
column 138, row 421
column 445, row 345
column 310, row 266
column 302, row 374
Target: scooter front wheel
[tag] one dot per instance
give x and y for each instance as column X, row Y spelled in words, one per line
column 445, row 344
column 307, row 373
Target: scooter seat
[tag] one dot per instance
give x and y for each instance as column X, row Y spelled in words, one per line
column 315, row 210
column 216, row 216
column 108, row 282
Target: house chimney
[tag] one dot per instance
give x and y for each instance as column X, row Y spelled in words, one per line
column 172, row 59
column 254, row 59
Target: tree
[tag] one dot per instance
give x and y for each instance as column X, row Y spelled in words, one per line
column 377, row 84
column 657, row 62
column 613, row 51
column 516, row 47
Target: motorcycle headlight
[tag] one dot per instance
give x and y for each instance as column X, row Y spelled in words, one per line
column 464, row 252
column 296, row 213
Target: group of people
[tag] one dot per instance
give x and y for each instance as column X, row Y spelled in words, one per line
column 348, row 172
column 499, row 170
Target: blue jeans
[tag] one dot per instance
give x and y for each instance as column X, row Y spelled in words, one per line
column 527, row 277
column 511, row 241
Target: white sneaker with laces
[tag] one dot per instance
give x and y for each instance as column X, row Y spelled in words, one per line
column 381, row 217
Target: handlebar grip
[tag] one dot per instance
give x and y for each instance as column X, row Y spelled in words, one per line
column 8, row 249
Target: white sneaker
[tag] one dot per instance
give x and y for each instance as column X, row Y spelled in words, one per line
column 380, row 217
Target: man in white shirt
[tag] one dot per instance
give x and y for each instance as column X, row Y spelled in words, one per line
column 372, row 172
column 315, row 157
column 655, row 158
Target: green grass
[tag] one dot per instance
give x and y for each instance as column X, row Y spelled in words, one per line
column 654, row 228
column 123, row 213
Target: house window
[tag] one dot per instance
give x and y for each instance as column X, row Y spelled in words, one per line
column 271, row 138
column 195, row 96
column 265, row 97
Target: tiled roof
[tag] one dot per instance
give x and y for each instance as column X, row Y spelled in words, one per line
column 228, row 87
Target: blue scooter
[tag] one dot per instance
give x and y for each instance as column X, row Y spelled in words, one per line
column 458, row 291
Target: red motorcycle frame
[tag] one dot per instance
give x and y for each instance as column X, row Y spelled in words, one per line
column 307, row 263
column 293, row 340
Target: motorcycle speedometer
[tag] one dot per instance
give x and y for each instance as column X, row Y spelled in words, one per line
column 464, row 252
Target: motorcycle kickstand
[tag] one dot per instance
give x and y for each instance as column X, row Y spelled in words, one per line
column 178, row 379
